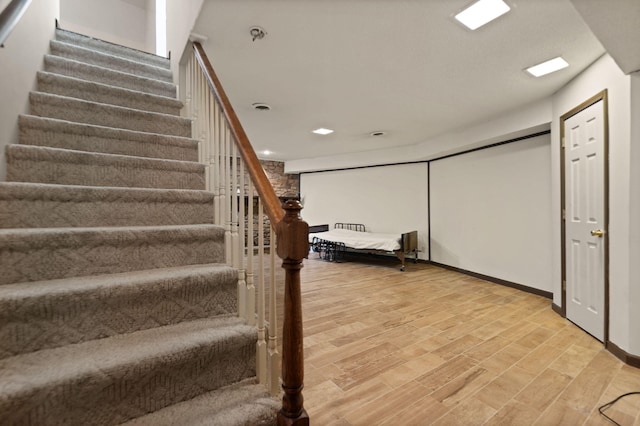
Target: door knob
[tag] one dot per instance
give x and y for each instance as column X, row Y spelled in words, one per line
column 597, row 233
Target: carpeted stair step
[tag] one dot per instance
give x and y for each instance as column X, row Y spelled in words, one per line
column 101, row 93
column 111, row 380
column 47, row 314
column 51, row 132
column 29, row 163
column 110, row 48
column 242, row 404
column 105, row 60
column 51, row 253
column 72, row 68
column 79, row 111
column 35, row 205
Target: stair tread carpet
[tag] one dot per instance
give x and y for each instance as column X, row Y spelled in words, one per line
column 56, row 133
column 106, row 60
column 101, row 93
column 71, row 37
column 35, row 254
column 99, row 74
column 122, row 377
column 36, row 205
column 31, row 163
column 79, row 111
column 240, row 404
column 46, row 314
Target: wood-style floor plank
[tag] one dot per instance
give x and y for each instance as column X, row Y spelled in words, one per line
column 431, row 346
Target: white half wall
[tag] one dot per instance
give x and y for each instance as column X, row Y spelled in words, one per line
column 490, row 212
column 387, row 199
column 181, row 17
column 118, row 21
column 603, row 74
column 21, row 57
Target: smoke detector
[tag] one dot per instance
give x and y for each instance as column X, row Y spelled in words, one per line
column 257, row 33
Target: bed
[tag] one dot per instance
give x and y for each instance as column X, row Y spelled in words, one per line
column 331, row 245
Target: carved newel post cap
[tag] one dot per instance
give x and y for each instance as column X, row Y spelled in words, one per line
column 293, row 233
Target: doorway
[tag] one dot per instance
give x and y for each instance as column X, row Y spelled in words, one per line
column 585, row 254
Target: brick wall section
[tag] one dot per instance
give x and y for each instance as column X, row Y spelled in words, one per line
column 286, row 185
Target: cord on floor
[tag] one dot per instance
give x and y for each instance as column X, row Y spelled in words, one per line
column 610, row 403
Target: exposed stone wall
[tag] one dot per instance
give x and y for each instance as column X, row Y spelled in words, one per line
column 285, row 185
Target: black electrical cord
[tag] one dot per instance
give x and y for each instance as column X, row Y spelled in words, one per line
column 610, row 403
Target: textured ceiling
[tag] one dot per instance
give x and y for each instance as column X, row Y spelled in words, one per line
column 405, row 67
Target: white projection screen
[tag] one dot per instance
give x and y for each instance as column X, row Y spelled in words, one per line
column 388, row 199
column 490, row 212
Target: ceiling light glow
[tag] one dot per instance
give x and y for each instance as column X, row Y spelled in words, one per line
column 322, row 131
column 548, row 67
column 266, row 152
column 481, row 13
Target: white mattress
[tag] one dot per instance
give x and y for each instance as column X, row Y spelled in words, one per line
column 361, row 240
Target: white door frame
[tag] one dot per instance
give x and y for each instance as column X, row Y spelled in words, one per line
column 602, row 96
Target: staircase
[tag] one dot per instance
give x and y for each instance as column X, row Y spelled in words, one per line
column 116, row 305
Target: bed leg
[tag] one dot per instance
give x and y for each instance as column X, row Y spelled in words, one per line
column 400, row 255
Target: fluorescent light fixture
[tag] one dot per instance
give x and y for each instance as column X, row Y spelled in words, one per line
column 547, row 67
column 482, row 12
column 322, row 131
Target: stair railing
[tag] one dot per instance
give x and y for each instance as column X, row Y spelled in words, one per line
column 10, row 17
column 235, row 176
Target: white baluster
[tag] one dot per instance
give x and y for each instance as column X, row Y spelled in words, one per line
column 251, row 289
column 242, row 283
column 274, row 362
column 235, row 195
column 261, row 345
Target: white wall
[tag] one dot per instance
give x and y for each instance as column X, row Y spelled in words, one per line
column 490, row 212
column 387, row 199
column 603, row 74
column 117, row 21
column 21, row 57
column 181, row 17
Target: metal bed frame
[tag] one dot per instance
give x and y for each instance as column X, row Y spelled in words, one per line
column 332, row 251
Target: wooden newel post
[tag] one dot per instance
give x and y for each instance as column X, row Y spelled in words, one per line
column 292, row 247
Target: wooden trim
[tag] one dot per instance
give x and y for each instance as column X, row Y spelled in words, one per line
column 622, row 355
column 494, row 280
column 429, row 211
column 601, row 96
column 272, row 205
column 557, row 309
column 10, row 17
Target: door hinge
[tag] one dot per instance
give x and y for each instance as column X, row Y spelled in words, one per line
column 564, row 214
column 562, row 144
column 564, row 285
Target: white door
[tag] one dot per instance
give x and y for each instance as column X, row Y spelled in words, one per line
column 584, row 141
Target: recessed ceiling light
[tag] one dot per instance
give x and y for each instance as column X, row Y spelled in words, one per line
column 266, row 152
column 548, row 67
column 322, row 131
column 482, row 12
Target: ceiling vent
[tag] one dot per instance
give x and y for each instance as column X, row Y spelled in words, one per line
column 261, row 107
column 377, row 133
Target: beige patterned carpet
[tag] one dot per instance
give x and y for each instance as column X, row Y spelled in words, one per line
column 115, row 302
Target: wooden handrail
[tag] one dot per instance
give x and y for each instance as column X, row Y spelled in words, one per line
column 270, row 200
column 10, row 17
column 292, row 248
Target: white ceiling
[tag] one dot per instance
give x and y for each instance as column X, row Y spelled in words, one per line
column 405, row 67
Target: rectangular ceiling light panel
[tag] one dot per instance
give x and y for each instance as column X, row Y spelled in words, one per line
column 548, row 67
column 322, row 131
column 482, row 12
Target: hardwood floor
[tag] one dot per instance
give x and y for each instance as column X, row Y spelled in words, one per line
column 431, row 346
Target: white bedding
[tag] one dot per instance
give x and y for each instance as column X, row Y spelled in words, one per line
column 361, row 240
